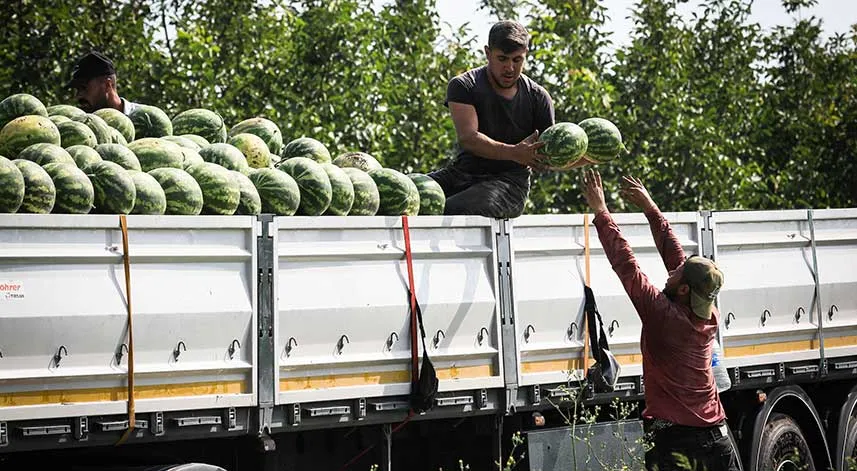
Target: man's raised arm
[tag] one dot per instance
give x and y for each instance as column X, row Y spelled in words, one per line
column 667, row 243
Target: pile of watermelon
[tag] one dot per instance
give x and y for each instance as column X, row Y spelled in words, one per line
column 595, row 139
column 60, row 159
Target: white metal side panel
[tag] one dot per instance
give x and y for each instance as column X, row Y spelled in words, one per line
column 836, row 249
column 767, row 296
column 341, row 307
column 548, row 274
column 192, row 281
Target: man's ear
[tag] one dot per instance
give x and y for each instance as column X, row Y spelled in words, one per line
column 683, row 289
column 487, row 52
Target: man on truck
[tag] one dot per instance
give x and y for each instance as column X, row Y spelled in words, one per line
column 683, row 416
column 498, row 114
column 94, row 81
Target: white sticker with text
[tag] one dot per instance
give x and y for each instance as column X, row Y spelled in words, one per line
column 11, row 290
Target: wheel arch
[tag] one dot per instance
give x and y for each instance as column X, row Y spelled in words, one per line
column 793, row 401
column 846, row 417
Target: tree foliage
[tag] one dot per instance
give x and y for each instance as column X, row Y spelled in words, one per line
column 715, row 112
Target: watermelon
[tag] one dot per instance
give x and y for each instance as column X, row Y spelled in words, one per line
column 182, row 192
column 25, row 131
column 44, row 153
column 225, row 155
column 39, row 190
column 366, row 198
column 253, row 148
column 57, row 119
column 250, row 203
column 199, row 140
column 68, row 111
column 114, row 189
column 119, row 154
column 342, row 191
column 118, row 121
column 306, row 147
column 278, row 191
column 11, row 186
column 360, row 160
column 565, row 143
column 84, row 155
column 316, row 192
column 150, row 121
column 116, row 137
column 150, row 197
column 75, row 194
column 155, row 153
column 98, row 127
column 264, row 128
column 202, row 122
column 20, row 104
column 191, row 157
column 432, row 197
column 220, row 192
column 399, row 195
column 604, row 139
column 182, row 141
column 73, row 133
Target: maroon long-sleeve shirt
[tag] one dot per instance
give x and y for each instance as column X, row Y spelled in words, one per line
column 675, row 343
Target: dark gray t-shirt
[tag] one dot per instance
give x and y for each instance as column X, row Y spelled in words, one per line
column 505, row 120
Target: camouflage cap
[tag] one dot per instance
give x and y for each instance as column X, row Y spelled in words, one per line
column 704, row 279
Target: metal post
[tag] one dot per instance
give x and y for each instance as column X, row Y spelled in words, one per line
column 387, row 452
column 817, row 293
column 265, row 335
column 508, row 330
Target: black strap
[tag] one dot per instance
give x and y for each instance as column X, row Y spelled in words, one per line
column 597, row 337
column 419, row 320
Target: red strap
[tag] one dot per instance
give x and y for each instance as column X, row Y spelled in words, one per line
column 415, row 365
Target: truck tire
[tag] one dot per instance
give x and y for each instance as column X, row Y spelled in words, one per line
column 850, row 446
column 783, row 446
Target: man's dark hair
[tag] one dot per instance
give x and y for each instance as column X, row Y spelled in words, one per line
column 508, row 36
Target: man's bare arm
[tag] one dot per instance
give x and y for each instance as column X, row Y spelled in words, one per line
column 467, row 128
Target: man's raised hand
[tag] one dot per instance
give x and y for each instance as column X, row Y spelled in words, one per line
column 593, row 192
column 635, row 193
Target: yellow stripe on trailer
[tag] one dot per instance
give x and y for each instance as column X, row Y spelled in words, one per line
column 152, row 391
column 793, row 346
column 380, row 377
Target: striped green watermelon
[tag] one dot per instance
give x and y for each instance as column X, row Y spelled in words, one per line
column 360, row 160
column 113, row 187
column 25, row 131
column 98, row 127
column 44, row 153
column 73, row 133
column 75, row 194
column 565, row 143
column 191, row 157
column 251, row 203
column 278, row 191
column 342, row 191
column 199, row 140
column 202, row 122
column 264, row 128
column 20, row 104
column 316, row 192
column 225, row 155
column 116, row 137
column 11, row 186
column 604, row 139
column 182, row 141
column 118, row 121
column 366, row 197
column 57, row 119
column 432, row 197
column 253, row 148
column 399, row 195
column 306, row 147
column 150, row 197
column 84, row 155
column 155, row 153
column 39, row 190
column 119, row 154
column 183, row 194
column 150, row 121
column 220, row 192
column 69, row 111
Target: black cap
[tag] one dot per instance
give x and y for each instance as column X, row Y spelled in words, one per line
column 92, row 64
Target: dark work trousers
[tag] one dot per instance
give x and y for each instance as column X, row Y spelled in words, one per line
column 490, row 195
column 708, row 449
